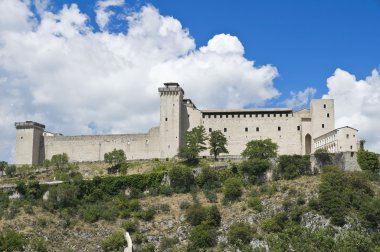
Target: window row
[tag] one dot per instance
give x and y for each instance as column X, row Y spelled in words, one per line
column 257, row 129
column 243, row 115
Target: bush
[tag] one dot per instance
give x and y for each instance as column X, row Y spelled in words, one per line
column 255, row 203
column 203, row 236
column 63, row 195
column 147, row 215
column 168, row 243
column 208, row 179
column 293, row 166
column 10, row 240
column 210, row 196
column 60, row 161
column 368, row 161
column 181, row 178
column 195, row 214
column 240, row 234
column 275, row 224
column 232, row 189
column 114, row 242
column 323, row 157
column 213, row 217
column 184, row 205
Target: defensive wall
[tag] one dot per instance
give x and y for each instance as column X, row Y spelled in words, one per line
column 295, row 132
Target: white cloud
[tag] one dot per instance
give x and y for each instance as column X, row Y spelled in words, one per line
column 78, row 81
column 103, row 13
column 301, row 98
column 357, row 104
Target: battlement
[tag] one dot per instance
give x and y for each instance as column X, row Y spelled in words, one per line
column 171, row 88
column 29, row 125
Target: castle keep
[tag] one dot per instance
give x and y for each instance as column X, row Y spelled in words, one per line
column 295, row 132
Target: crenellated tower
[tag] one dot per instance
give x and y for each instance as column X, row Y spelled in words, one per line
column 171, row 135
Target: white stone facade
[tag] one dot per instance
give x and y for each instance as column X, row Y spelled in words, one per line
column 295, row 132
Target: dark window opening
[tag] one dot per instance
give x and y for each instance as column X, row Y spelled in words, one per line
column 324, row 105
column 209, row 116
column 347, row 136
column 22, row 137
column 245, row 115
column 246, row 129
column 209, row 130
column 257, row 129
column 166, row 119
column 280, row 115
column 323, row 126
column 221, row 116
column 351, row 147
column 238, row 116
column 352, row 154
column 203, row 116
column 287, row 115
column 274, row 115
column 250, row 115
column 257, row 115
column 298, row 128
column 226, row 116
column 328, row 115
column 279, row 128
column 268, row 115
column 214, row 116
column 233, row 116
column 225, row 130
column 262, row 115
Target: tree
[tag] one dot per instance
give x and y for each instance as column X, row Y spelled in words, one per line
column 260, row 149
column 3, row 165
column 368, row 160
column 218, row 143
column 232, row 189
column 60, row 160
column 10, row 170
column 194, row 143
column 115, row 157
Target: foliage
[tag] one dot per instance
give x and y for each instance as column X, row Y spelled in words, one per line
column 184, row 205
column 232, row 189
column 203, row 236
column 3, row 165
column 195, row 214
column 275, row 224
column 115, row 157
column 218, row 143
column 181, row 178
column 213, row 217
column 255, row 203
column 10, row 240
column 168, row 243
column 63, row 195
column 60, row 160
column 208, row 178
column 255, row 168
column 130, row 225
column 114, row 242
column 341, row 191
column 293, row 166
column 368, row 161
column 147, row 214
column 240, row 234
column 260, row 149
column 195, row 142
column 10, row 170
column 323, row 157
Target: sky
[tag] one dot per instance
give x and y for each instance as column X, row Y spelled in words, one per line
column 93, row 67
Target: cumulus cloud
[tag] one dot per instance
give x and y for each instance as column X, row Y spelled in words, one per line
column 357, row 104
column 301, row 98
column 103, row 13
column 61, row 72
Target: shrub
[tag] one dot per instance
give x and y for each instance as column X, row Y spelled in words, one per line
column 232, row 189
column 114, row 242
column 368, row 161
column 168, row 243
column 210, row 196
column 293, row 166
column 240, row 234
column 260, row 149
column 60, row 161
column 275, row 224
column 203, row 236
column 323, row 157
column 148, row 247
column 147, row 214
column 195, row 214
column 10, row 240
column 10, row 170
column 208, row 179
column 255, row 203
column 63, row 195
column 184, row 205
column 254, row 167
column 212, row 216
column 181, row 178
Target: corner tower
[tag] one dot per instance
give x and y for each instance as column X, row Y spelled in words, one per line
column 322, row 117
column 29, row 142
column 171, row 135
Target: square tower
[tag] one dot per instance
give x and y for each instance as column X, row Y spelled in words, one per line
column 171, row 135
column 322, row 116
column 29, row 142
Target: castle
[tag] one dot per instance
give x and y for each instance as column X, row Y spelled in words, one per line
column 295, row 132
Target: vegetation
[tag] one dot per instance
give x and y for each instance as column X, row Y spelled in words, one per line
column 195, row 142
column 240, row 234
column 293, row 166
column 114, row 242
column 232, row 189
column 218, row 143
column 59, row 161
column 260, row 149
column 368, row 161
column 116, row 159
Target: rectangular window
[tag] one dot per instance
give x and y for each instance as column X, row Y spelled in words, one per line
column 352, row 154
column 351, row 147
column 262, row 115
column 245, row 115
column 280, row 115
column 239, row 116
column 226, row 116
column 279, row 128
column 203, row 116
column 328, row 115
column 287, row 115
column 268, row 115
column 209, row 116
column 166, row 119
column 246, row 129
column 233, row 116
column 324, row 105
column 214, row 116
column 323, row 126
column 347, row 136
column 250, row 115
column 220, row 116
column 257, row 115
column 209, row 130
column 274, row 115
column 257, row 129
column 298, row 128
column 225, row 130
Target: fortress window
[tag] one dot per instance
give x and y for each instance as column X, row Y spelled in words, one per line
column 352, row 154
column 347, row 136
column 351, row 147
column 214, row 116
column 226, row 116
column 225, row 130
column 257, row 129
column 209, row 116
column 324, row 105
column 287, row 115
column 239, row 116
column 246, row 129
column 274, row 115
column 328, row 115
column 245, row 115
column 323, row 126
column 298, row 128
column 280, row 115
column 257, row 115
column 250, row 115
column 268, row 115
column 233, row 116
column 22, row 137
column 220, row 116
column 203, row 116
column 279, row 128
column 166, row 119
column 262, row 115
column 209, row 130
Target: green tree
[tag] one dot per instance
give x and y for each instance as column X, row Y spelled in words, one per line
column 260, row 149
column 368, row 161
column 60, row 161
column 232, row 189
column 114, row 242
column 195, row 142
column 202, row 236
column 3, row 166
column 10, row 170
column 181, row 178
column 218, row 143
column 240, row 234
column 115, row 157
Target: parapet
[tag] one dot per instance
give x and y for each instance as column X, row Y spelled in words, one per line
column 29, row 125
column 171, row 87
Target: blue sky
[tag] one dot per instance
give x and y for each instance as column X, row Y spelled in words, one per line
column 305, row 40
column 93, row 67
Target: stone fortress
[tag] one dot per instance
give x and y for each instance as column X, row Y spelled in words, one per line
column 295, row 132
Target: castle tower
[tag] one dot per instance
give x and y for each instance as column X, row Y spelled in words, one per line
column 29, row 142
column 322, row 117
column 171, row 135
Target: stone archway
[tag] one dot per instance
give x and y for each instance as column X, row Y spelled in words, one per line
column 307, row 144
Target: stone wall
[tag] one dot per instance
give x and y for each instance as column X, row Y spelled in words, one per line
column 345, row 160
